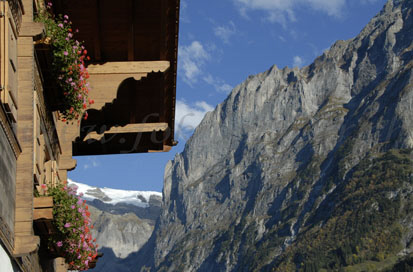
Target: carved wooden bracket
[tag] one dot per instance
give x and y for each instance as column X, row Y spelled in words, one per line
column 105, row 78
column 129, row 128
column 31, row 29
column 43, row 208
column 26, row 244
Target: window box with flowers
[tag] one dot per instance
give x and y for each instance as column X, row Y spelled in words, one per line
column 71, row 237
column 67, row 70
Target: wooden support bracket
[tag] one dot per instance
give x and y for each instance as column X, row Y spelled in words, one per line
column 43, row 208
column 128, row 67
column 105, row 78
column 31, row 29
column 129, row 128
column 24, row 245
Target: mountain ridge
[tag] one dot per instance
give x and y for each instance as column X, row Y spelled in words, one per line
column 258, row 169
column 123, row 222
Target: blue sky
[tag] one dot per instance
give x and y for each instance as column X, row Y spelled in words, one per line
column 221, row 43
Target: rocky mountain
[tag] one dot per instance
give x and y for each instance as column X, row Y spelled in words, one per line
column 301, row 169
column 123, row 222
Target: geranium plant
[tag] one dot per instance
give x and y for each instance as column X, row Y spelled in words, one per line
column 68, row 64
column 71, row 218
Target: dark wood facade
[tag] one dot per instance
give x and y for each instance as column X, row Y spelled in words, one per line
column 133, row 49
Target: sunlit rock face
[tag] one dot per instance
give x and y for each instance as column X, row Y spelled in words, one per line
column 123, row 222
column 261, row 169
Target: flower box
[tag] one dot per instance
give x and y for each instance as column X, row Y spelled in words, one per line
column 52, row 93
column 43, row 224
column 92, row 264
column 62, row 61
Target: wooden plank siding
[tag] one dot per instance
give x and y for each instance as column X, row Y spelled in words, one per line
column 133, row 49
column 120, row 38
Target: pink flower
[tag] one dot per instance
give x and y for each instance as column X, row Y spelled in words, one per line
column 59, row 244
column 67, row 225
column 73, row 207
column 60, row 25
column 66, row 17
column 65, row 53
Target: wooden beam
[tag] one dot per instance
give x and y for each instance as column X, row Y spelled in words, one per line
column 43, row 214
column 131, row 34
column 97, row 34
column 129, row 128
column 31, row 29
column 166, row 148
column 128, row 67
column 43, row 202
column 24, row 245
column 67, row 162
column 23, row 228
column 21, row 213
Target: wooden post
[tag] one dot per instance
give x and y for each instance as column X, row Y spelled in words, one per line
column 25, row 242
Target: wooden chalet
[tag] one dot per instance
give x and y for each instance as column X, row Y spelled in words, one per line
column 133, row 49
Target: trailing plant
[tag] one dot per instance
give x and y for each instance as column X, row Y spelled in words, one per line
column 71, row 218
column 68, row 64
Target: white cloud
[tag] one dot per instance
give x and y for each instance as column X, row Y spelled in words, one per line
column 282, row 38
column 192, row 59
column 282, row 11
column 218, row 84
column 188, row 117
column 298, row 61
column 225, row 32
column 183, row 12
column 92, row 162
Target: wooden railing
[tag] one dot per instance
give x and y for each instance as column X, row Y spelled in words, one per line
column 16, row 7
column 45, row 114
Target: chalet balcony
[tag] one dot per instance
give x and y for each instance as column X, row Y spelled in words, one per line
column 133, row 51
column 132, row 67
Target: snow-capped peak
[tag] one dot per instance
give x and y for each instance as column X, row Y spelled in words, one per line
column 114, row 196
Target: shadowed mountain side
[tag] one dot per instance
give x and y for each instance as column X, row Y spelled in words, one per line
column 301, row 169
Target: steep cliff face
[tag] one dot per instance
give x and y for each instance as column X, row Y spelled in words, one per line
column 276, row 162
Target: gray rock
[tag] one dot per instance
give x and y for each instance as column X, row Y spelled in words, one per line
column 121, row 230
column 257, row 165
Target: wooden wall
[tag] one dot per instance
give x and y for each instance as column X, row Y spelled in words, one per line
column 7, row 187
